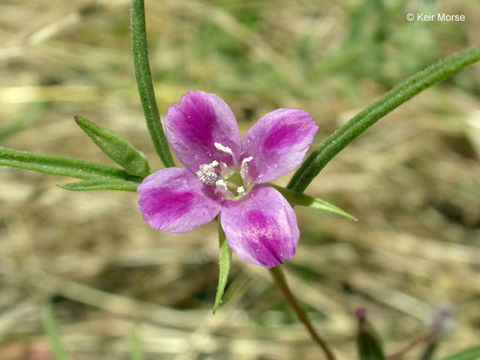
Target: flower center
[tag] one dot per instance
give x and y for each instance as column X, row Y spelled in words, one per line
column 231, row 181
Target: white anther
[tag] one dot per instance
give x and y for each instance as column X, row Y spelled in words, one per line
column 221, row 184
column 207, row 173
column 246, row 160
column 223, row 148
column 241, row 190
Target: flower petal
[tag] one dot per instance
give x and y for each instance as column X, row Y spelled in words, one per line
column 278, row 143
column 174, row 200
column 196, row 124
column 261, row 228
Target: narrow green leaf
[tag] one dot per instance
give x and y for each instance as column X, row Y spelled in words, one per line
column 224, row 268
column 63, row 166
column 472, row 353
column 144, row 83
column 403, row 92
column 92, row 185
column 116, row 148
column 50, row 326
column 298, row 198
column 135, row 346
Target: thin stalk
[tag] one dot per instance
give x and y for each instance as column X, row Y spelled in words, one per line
column 279, row 278
column 430, row 337
column 143, row 77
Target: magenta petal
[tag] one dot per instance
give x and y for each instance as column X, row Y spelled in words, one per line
column 196, row 124
column 174, row 200
column 262, row 228
column 278, row 143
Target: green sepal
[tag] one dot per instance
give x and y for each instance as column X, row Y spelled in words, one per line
column 472, row 353
column 93, row 185
column 62, row 166
column 297, row 198
column 224, row 266
column 116, row 148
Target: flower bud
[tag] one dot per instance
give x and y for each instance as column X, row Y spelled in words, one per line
column 369, row 344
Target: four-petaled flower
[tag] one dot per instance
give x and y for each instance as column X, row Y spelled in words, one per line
column 223, row 174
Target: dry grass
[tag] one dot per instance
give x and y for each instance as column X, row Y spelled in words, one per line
column 413, row 180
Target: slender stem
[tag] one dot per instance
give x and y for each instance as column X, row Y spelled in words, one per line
column 279, row 278
column 424, row 339
column 144, row 83
column 386, row 104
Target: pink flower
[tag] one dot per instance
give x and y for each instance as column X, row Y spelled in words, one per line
column 223, row 174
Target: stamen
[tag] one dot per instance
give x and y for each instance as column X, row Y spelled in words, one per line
column 207, row 173
column 244, row 169
column 223, row 148
column 221, row 184
column 228, row 151
column 241, row 190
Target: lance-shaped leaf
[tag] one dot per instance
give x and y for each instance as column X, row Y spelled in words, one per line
column 63, row 166
column 369, row 343
column 224, row 268
column 472, row 353
column 116, row 148
column 297, row 198
column 400, row 94
column 92, row 185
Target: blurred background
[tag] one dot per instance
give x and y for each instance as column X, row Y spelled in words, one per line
column 412, row 180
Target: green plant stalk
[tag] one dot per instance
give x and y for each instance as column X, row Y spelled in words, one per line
column 281, row 282
column 144, row 83
column 403, row 92
column 136, row 352
column 51, row 329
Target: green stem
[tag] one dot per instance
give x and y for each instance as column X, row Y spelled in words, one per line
column 390, row 101
column 145, row 85
column 279, row 278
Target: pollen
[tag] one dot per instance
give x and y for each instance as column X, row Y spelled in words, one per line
column 207, row 173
